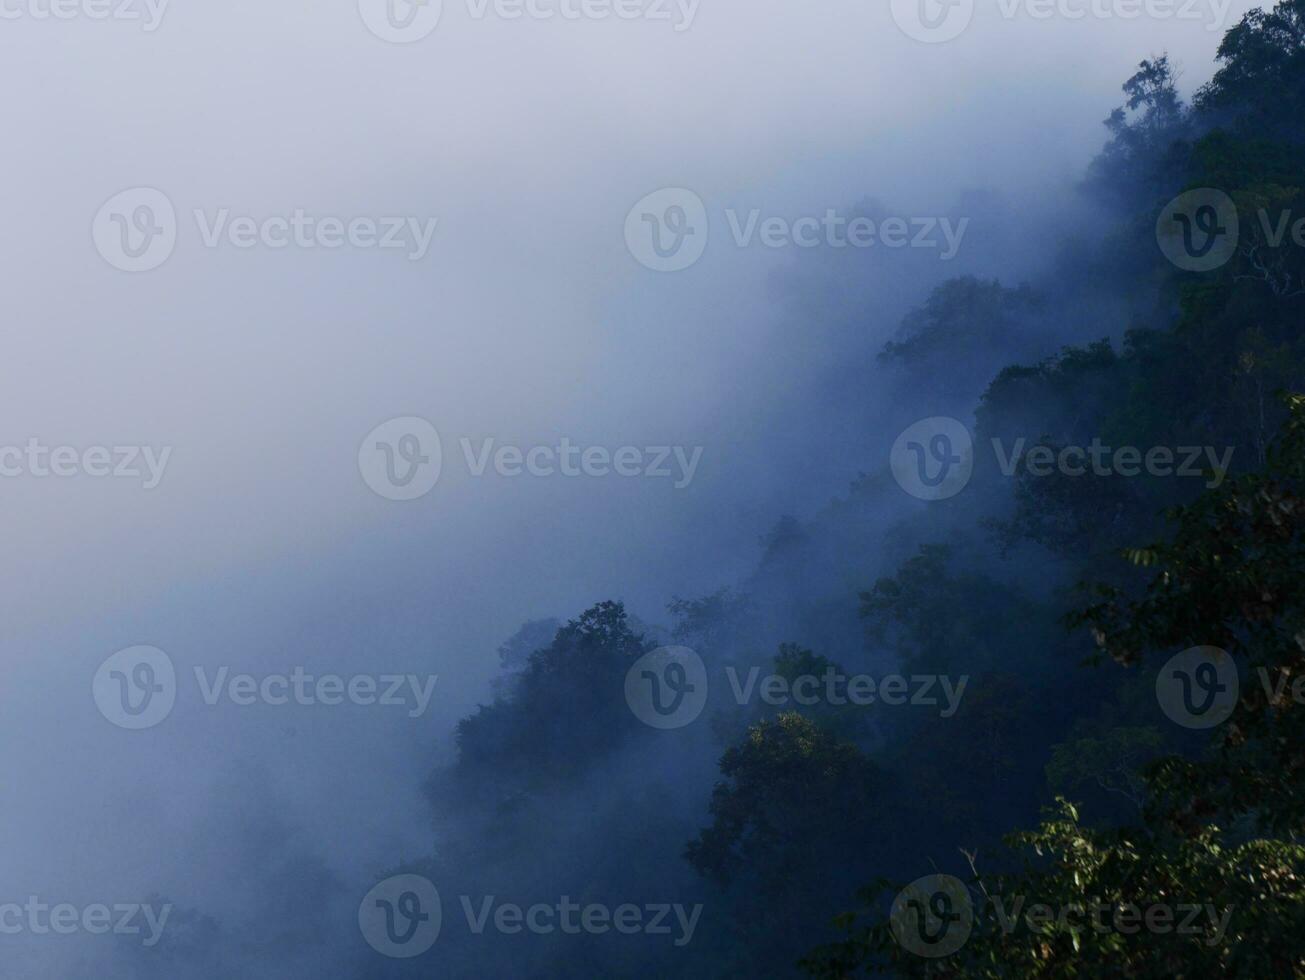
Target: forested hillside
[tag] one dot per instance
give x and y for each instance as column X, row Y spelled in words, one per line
column 1027, row 758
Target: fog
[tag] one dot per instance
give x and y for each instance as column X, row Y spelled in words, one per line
column 527, row 321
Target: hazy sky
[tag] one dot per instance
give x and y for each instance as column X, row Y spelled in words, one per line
column 526, row 321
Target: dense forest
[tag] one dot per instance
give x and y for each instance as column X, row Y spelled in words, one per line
column 1027, row 786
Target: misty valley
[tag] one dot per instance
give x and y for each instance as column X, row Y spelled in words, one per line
column 640, row 489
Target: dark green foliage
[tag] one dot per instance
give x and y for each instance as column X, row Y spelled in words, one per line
column 566, row 709
column 1260, row 86
column 789, row 791
column 1244, row 905
column 813, row 801
column 963, row 315
column 1231, row 576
